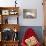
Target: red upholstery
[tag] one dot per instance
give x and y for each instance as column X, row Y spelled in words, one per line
column 29, row 33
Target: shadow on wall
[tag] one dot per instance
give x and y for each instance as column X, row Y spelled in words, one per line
column 37, row 29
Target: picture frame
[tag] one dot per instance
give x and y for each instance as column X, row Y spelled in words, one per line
column 29, row 13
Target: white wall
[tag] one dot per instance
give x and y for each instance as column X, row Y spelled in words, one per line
column 27, row 4
column 31, row 4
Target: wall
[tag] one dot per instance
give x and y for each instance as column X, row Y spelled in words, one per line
column 31, row 4
column 27, row 4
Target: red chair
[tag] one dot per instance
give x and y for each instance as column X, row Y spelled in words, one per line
column 29, row 33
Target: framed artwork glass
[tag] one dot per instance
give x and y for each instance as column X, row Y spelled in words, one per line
column 29, row 13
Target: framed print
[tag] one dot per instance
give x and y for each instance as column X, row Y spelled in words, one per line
column 29, row 13
column 5, row 12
